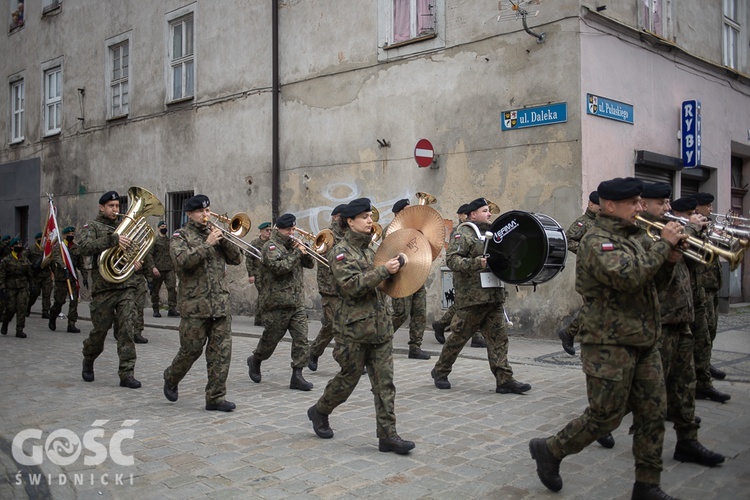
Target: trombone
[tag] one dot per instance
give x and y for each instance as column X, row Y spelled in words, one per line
column 323, row 242
column 238, row 225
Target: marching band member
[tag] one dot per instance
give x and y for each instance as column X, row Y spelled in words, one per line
column 253, row 266
column 477, row 308
column 15, row 276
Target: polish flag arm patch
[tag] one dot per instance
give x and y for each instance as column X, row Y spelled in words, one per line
column 580, row 224
column 340, row 257
column 458, row 235
column 272, row 247
column 607, row 247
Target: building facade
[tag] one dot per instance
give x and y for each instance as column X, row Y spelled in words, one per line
column 294, row 106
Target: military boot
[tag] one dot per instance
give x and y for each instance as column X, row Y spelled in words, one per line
column 253, row 364
column 170, row 392
column 713, row 394
column 513, row 386
column 4, row 329
column 52, row 322
column 440, row 382
column 20, row 334
column 130, row 382
column 690, row 450
column 395, row 444
column 298, row 381
column 45, row 315
column 173, row 314
column 221, row 406
column 567, row 342
column 607, row 441
column 648, row 491
column 478, row 341
column 547, row 466
column 716, row 373
column 87, row 373
column 312, row 363
column 437, row 327
column 140, row 339
column 320, row 422
column 417, row 353
column 157, row 314
column 72, row 328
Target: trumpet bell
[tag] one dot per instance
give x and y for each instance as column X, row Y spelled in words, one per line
column 240, row 224
column 425, row 198
column 375, row 214
column 377, row 232
column 494, row 209
column 323, row 241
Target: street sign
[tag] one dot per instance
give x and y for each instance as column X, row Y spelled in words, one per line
column 690, row 133
column 424, row 153
column 534, row 117
column 608, row 108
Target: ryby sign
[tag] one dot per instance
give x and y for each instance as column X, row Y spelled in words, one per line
column 690, row 133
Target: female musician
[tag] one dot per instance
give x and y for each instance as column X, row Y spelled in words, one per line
column 364, row 333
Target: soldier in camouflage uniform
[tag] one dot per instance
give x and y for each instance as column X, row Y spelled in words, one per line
column 4, row 246
column 443, row 324
column 413, row 306
column 199, row 254
column 164, row 274
column 110, row 302
column 284, row 258
column 711, row 278
column 147, row 273
column 329, row 296
column 15, row 277
column 477, row 308
column 253, row 266
column 41, row 279
column 364, row 332
column 620, row 327
column 64, row 279
column 574, row 234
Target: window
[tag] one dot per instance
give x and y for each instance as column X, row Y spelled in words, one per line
column 118, row 69
column 412, row 19
column 407, row 27
column 17, row 15
column 49, row 5
column 182, row 58
column 52, row 101
column 174, row 217
column 17, row 98
column 656, row 17
column 731, row 33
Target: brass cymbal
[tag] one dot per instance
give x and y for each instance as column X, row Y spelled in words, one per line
column 417, row 253
column 426, row 220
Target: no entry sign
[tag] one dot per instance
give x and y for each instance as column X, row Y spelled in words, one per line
column 424, row 153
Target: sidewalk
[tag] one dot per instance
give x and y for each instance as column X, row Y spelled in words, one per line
column 471, row 442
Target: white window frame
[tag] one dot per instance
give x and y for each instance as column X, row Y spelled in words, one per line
column 114, row 84
column 388, row 50
column 17, row 106
column 181, row 62
column 646, row 13
column 731, row 33
column 52, row 104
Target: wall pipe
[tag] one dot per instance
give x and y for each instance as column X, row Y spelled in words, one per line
column 276, row 93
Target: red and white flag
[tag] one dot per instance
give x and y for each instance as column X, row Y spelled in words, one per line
column 51, row 236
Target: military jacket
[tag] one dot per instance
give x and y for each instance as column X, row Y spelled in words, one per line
column 326, row 282
column 160, row 253
column 579, row 227
column 97, row 236
column 15, row 272
column 35, row 255
column 463, row 257
column 282, row 273
column 362, row 315
column 711, row 276
column 200, row 267
column 615, row 276
column 57, row 265
column 253, row 264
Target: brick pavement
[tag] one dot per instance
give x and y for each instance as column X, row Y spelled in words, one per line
column 471, row 442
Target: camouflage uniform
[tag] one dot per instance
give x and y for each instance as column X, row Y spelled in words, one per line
column 111, row 303
column 15, row 276
column 710, row 277
column 163, row 263
column 620, row 326
column 281, row 300
column 142, row 277
column 253, row 266
column 329, row 299
column 41, row 280
column 700, row 328
column 363, row 330
column 62, row 278
column 575, row 232
column 414, row 306
column 204, row 304
column 477, row 308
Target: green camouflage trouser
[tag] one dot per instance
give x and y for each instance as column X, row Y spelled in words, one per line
column 326, row 333
column 574, row 326
column 701, row 349
column 619, row 379
column 712, row 312
column 679, row 372
column 41, row 284
column 276, row 323
column 489, row 319
column 140, row 302
column 169, row 279
column 414, row 306
column 61, row 295
column 17, row 303
column 446, row 319
column 352, row 357
column 216, row 335
column 108, row 308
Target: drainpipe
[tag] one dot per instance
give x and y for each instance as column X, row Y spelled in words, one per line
column 276, row 93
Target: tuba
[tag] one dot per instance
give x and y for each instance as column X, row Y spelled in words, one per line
column 117, row 265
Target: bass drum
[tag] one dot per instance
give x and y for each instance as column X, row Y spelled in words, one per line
column 526, row 248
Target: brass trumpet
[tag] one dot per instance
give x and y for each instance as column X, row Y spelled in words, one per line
column 425, row 198
column 377, row 233
column 323, row 242
column 238, row 225
column 699, row 250
column 494, row 209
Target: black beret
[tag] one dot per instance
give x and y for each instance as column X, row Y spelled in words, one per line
column 264, row 225
column 476, row 205
column 463, row 209
column 109, row 196
column 356, row 207
column 620, row 188
column 656, row 190
column 685, row 204
column 196, row 202
column 69, row 229
column 594, row 197
column 704, row 198
column 37, row 236
column 338, row 209
column 286, row 221
column 400, row 205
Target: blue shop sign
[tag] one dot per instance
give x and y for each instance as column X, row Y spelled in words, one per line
column 690, row 133
column 534, row 117
column 608, row 108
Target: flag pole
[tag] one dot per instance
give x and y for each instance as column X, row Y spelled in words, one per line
column 62, row 252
